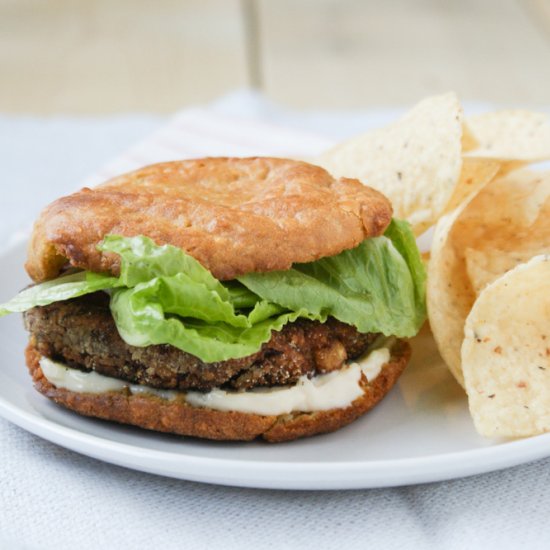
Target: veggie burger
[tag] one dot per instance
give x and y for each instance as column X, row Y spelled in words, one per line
column 222, row 298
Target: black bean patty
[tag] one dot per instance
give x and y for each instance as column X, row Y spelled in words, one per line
column 82, row 334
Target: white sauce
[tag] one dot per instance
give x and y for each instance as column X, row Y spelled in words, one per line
column 78, row 381
column 336, row 389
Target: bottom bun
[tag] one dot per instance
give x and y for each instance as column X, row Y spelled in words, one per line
column 177, row 417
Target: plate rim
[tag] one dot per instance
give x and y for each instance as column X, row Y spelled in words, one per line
column 301, row 475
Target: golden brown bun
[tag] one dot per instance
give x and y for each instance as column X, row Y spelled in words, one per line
column 154, row 413
column 234, row 215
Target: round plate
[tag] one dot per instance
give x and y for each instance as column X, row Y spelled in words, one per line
column 421, row 432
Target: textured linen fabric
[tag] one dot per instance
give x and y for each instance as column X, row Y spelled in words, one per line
column 53, row 498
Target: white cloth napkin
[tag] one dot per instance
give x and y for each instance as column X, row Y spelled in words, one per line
column 54, row 498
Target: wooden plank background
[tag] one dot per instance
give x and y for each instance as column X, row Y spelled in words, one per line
column 104, row 56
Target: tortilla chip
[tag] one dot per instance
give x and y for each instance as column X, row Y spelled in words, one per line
column 478, row 270
column 506, row 223
column 506, row 353
column 469, row 141
column 449, row 293
column 511, row 136
column 416, row 162
column 475, row 174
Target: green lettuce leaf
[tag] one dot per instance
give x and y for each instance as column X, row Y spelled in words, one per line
column 173, row 299
column 402, row 237
column 377, row 286
column 142, row 260
column 142, row 321
column 57, row 290
column 164, row 296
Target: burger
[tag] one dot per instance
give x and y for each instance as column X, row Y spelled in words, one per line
column 221, row 298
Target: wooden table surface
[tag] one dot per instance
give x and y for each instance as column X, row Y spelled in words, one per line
column 105, row 56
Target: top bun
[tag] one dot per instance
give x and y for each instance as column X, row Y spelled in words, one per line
column 234, row 215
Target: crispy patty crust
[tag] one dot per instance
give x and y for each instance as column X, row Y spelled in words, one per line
column 82, row 333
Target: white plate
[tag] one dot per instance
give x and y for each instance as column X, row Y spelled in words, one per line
column 421, row 432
